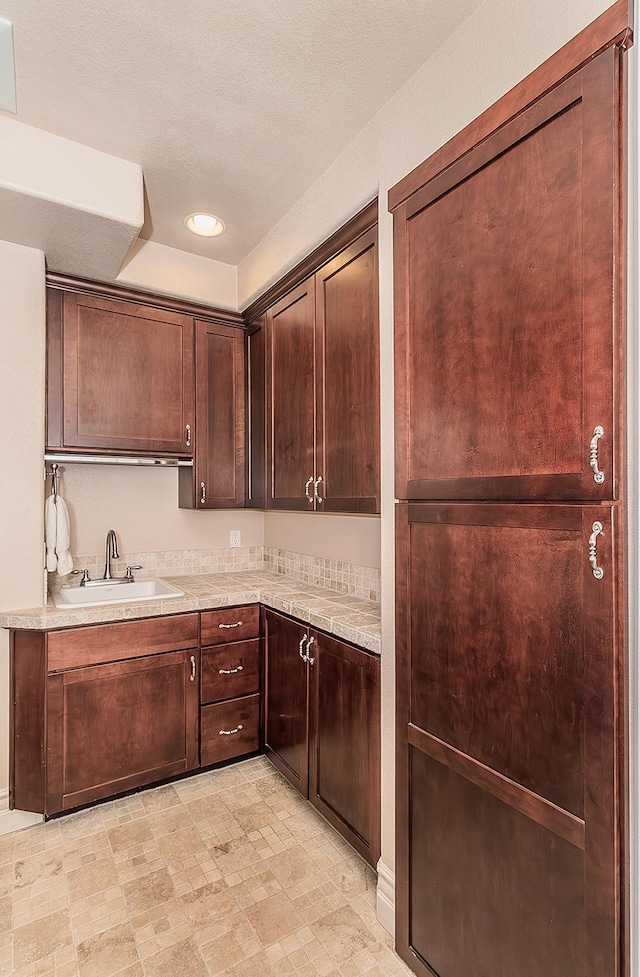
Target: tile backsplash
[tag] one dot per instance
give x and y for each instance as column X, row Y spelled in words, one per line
column 347, row 578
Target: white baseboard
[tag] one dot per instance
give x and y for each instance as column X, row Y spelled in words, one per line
column 386, row 897
column 15, row 820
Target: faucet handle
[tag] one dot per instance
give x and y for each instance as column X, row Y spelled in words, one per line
column 85, row 576
column 129, row 573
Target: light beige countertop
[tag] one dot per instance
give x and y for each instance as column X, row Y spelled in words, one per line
column 351, row 618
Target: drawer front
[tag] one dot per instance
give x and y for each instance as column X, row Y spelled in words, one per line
column 98, row 644
column 229, row 671
column 229, row 729
column 230, row 624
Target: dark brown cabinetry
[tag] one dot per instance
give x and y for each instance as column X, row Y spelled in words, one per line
column 322, row 726
column 217, row 480
column 321, row 378
column 229, row 684
column 511, row 658
column 110, row 708
column 119, row 376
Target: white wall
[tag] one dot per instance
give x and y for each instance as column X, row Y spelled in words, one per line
column 22, row 332
column 494, row 49
column 354, row 539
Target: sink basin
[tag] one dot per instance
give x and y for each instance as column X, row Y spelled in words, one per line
column 118, row 593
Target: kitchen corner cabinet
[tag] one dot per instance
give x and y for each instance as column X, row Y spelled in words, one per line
column 119, row 376
column 322, row 388
column 322, row 726
column 217, row 480
column 101, row 710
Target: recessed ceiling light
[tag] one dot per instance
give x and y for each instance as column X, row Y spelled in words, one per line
column 207, row 225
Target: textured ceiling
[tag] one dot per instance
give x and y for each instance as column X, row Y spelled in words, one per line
column 233, row 107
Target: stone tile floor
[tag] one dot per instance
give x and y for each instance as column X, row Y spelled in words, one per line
column 226, row 874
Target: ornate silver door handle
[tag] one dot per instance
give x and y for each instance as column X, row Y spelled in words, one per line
column 192, row 677
column 598, row 476
column 307, row 656
column 300, row 649
column 306, row 489
column 203, row 493
column 188, row 435
column 238, row 624
column 318, row 497
column 230, row 732
column 598, row 572
column 230, row 671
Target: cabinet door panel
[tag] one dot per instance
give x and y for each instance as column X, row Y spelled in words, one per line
column 286, row 714
column 507, row 308
column 229, row 671
column 508, row 727
column 219, row 456
column 115, row 727
column 290, row 399
column 128, row 376
column 344, row 775
column 347, row 379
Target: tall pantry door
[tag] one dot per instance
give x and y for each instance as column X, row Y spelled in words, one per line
column 510, row 590
column 508, row 677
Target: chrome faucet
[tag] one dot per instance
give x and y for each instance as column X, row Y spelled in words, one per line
column 111, row 552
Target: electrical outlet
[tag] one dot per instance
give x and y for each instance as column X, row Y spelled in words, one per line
column 235, row 537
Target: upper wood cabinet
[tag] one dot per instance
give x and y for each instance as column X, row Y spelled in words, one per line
column 120, row 376
column 322, row 388
column 217, row 480
column 508, row 308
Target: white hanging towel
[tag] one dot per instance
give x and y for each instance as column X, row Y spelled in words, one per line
column 65, row 560
column 50, row 516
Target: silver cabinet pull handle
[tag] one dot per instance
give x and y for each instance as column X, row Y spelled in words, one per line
column 238, row 624
column 188, row 435
column 317, row 496
column 203, row 493
column 598, row 476
column 598, row 572
column 230, row 732
column 300, row 649
column 230, row 671
column 192, row 677
column 307, row 656
column 306, row 489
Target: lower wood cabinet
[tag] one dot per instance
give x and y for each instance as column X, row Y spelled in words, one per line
column 322, row 726
column 101, row 710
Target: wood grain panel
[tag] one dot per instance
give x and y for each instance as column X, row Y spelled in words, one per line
column 471, row 913
column 229, row 671
column 286, row 713
column 230, row 624
column 344, row 752
column 256, row 417
column 77, row 647
column 347, row 379
column 28, row 669
column 493, row 285
column 121, row 725
column 229, row 729
column 291, row 398
column 128, row 376
column 54, row 372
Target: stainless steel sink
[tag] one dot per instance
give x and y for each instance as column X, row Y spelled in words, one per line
column 118, row 593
